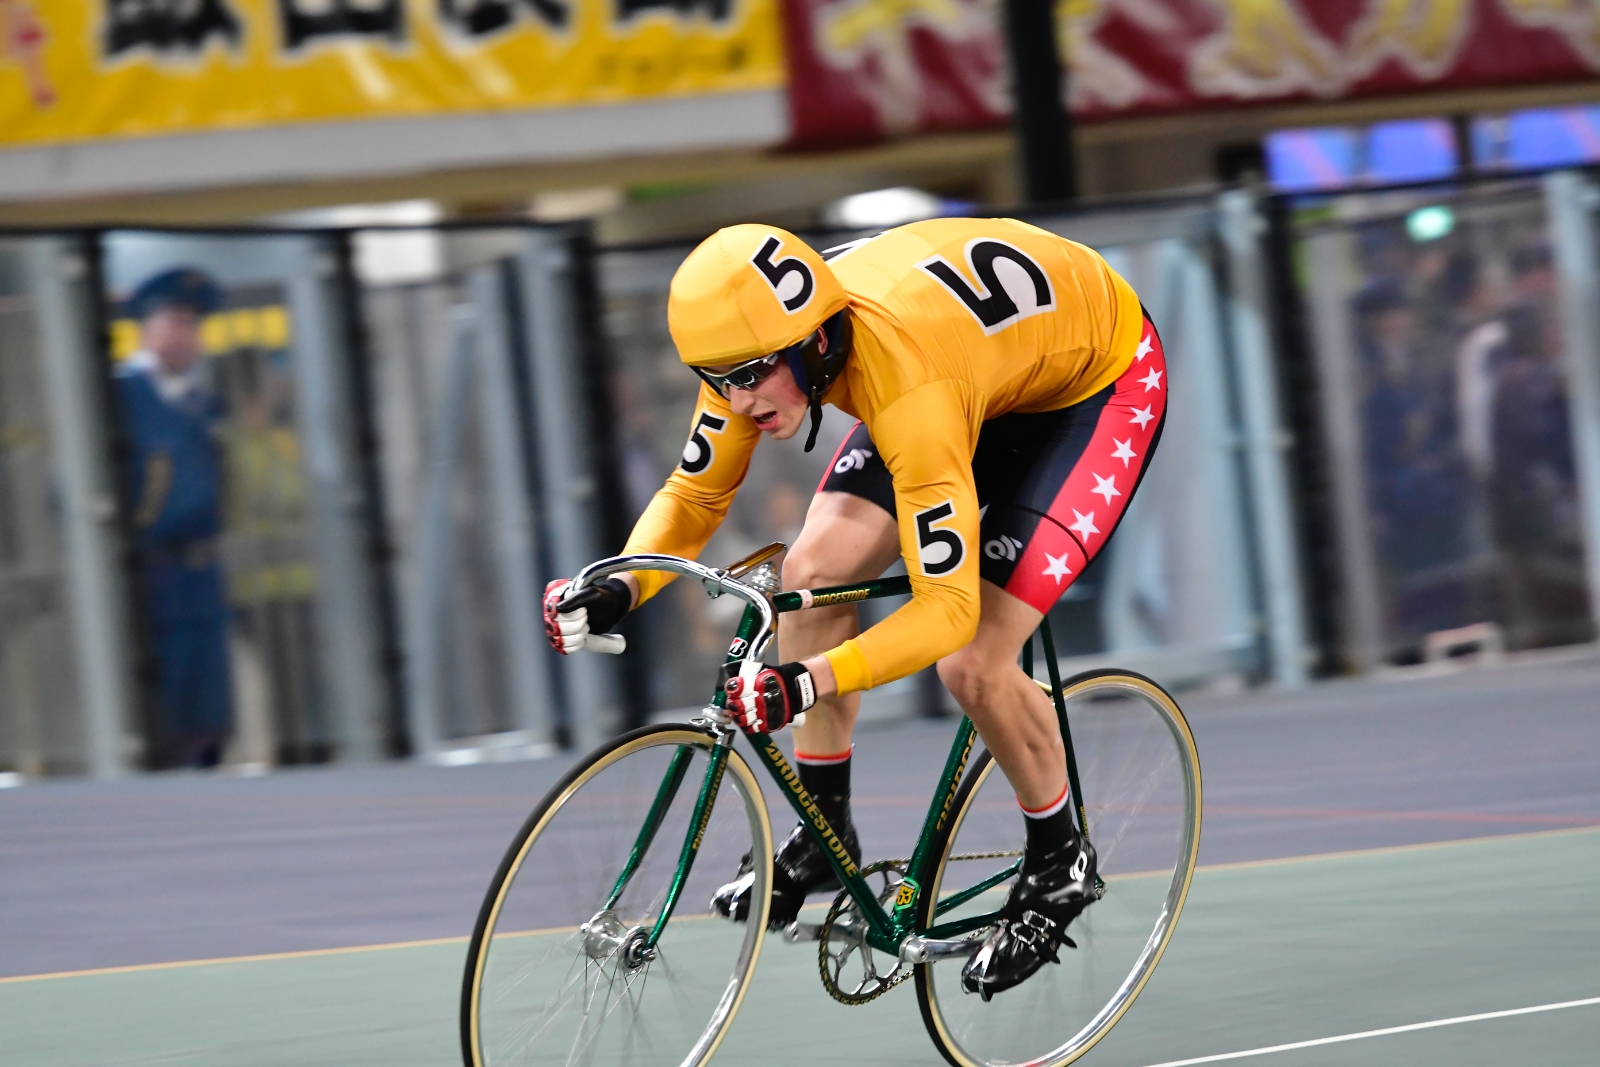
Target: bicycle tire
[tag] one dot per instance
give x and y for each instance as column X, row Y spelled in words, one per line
column 563, row 863
column 1140, row 773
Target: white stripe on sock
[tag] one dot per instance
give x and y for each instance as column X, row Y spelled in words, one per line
column 1045, row 813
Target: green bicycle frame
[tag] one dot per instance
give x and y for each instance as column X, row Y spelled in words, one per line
column 703, row 804
column 886, row 928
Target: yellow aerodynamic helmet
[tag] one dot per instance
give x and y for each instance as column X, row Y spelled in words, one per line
column 752, row 291
column 748, row 291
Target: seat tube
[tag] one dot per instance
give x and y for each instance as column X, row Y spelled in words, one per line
column 1060, row 701
column 939, row 809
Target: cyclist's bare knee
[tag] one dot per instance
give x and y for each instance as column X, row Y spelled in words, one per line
column 984, row 671
column 807, row 567
column 966, row 674
column 845, row 539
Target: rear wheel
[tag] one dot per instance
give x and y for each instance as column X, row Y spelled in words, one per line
column 1141, row 782
column 559, row 972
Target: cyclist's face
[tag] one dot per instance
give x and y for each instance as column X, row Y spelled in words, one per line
column 776, row 403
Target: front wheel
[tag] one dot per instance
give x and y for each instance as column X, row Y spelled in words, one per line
column 1141, row 783
column 560, row 970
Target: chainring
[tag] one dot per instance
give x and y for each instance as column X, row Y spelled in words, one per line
column 843, row 938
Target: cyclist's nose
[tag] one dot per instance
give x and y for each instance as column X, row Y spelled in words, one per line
column 742, row 401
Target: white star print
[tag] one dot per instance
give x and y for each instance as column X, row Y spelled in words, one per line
column 1085, row 524
column 1152, row 380
column 1057, row 567
column 1142, row 416
column 1144, row 350
column 1106, row 487
column 1124, row 451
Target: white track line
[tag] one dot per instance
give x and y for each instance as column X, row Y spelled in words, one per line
column 1381, row 1033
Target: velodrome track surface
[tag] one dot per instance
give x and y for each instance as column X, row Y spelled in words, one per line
column 191, row 867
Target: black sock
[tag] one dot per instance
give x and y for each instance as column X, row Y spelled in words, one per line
column 827, row 779
column 1048, row 833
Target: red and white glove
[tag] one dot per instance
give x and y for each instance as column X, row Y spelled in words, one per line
column 583, row 621
column 765, row 699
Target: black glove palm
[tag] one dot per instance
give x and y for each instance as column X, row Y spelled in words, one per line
column 608, row 601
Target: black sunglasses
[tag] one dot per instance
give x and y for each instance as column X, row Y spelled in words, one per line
column 746, row 375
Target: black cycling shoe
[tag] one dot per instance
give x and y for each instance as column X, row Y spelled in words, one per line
column 1052, row 891
column 799, row 868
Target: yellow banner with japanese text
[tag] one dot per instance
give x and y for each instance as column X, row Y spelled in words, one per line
column 77, row 70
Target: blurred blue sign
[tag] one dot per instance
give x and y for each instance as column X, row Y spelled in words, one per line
column 1536, row 139
column 1332, row 157
column 1325, row 158
column 1414, row 150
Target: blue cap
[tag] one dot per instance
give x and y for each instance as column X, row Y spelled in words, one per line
column 181, row 285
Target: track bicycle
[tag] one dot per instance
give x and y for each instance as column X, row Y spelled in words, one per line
column 596, row 943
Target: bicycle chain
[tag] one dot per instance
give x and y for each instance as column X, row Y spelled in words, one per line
column 959, row 856
column 845, row 902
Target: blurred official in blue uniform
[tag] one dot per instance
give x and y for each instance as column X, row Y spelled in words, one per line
column 170, row 415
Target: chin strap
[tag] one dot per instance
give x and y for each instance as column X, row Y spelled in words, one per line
column 809, row 366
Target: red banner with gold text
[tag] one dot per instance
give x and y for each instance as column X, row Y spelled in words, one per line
column 864, row 70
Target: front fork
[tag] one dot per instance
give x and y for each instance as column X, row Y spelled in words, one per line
column 704, row 804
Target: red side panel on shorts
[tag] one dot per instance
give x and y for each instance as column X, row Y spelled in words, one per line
column 1095, row 494
column 823, row 481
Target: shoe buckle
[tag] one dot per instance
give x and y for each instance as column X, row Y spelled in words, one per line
column 1032, row 928
column 1038, row 922
column 1037, row 933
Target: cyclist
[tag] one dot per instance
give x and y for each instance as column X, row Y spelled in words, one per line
column 1010, row 391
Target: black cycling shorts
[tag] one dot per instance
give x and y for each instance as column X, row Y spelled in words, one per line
column 1052, row 486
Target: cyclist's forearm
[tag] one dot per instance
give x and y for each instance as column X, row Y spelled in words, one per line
column 675, row 524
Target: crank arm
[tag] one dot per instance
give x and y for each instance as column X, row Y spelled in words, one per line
column 919, row 949
column 845, row 928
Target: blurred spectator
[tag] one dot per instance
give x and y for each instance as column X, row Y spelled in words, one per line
column 272, row 584
column 1416, row 481
column 170, row 416
column 1482, row 336
column 1463, row 414
column 1533, row 276
column 1534, row 482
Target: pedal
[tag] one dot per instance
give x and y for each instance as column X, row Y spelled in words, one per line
column 797, row 933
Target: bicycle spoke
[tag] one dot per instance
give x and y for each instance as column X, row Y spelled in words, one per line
column 1140, row 781
column 567, row 984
